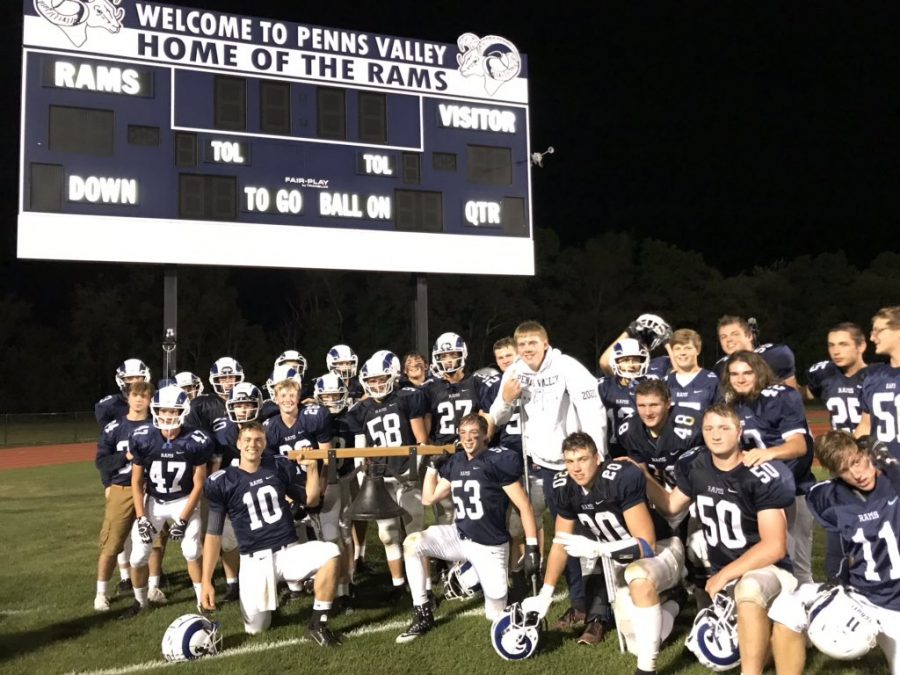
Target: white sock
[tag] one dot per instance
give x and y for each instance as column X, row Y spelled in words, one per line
column 140, row 594
column 154, row 582
column 648, row 627
column 198, row 590
column 102, row 587
column 398, row 582
column 125, row 572
column 231, row 581
column 342, row 590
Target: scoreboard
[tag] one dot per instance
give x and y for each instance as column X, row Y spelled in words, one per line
column 155, row 133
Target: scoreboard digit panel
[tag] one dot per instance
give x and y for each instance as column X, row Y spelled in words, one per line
column 250, row 140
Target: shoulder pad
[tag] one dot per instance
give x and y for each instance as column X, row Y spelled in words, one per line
column 105, row 399
column 109, row 427
column 217, row 475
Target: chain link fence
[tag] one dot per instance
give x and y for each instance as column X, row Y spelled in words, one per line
column 47, row 428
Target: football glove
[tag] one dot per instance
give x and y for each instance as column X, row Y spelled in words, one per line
column 437, row 461
column 176, row 529
column 624, row 551
column 650, row 330
column 531, row 563
column 884, row 461
column 540, row 603
column 298, row 511
column 146, row 531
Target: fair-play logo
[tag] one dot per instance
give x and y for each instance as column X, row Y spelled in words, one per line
column 74, row 17
column 494, row 58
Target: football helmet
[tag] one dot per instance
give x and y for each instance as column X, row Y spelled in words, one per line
column 222, row 368
column 381, row 364
column 713, row 638
column 629, row 348
column 191, row 383
column 131, row 368
column 331, row 392
column 244, row 393
column 292, row 357
column 448, row 343
column 280, row 374
column 651, row 330
column 171, row 397
column 342, row 361
column 840, row 626
column 515, row 633
column 461, row 582
column 191, row 636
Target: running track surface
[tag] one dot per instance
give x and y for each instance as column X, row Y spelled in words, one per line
column 46, row 455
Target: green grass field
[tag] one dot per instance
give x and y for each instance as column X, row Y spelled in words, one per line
column 49, row 520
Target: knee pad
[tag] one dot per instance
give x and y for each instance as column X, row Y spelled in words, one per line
column 411, row 545
column 389, row 532
column 140, row 555
column 191, row 549
column 749, row 590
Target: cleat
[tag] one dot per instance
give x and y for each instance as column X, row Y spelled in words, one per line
column 133, row 611
column 571, row 618
column 594, row 633
column 398, row 594
column 124, row 587
column 101, row 603
column 233, row 593
column 156, row 596
column 422, row 622
column 323, row 636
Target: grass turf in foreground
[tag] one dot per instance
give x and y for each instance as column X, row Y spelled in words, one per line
column 49, row 520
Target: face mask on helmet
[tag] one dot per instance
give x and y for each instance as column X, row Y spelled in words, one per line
column 515, row 634
column 448, row 355
column 280, row 374
column 225, row 374
column 190, row 637
column 629, row 359
column 169, row 407
column 461, row 582
column 192, row 385
column 243, row 403
column 713, row 638
column 378, row 375
column 131, row 370
column 330, row 392
column 292, row 358
column 342, row 361
column 840, row 626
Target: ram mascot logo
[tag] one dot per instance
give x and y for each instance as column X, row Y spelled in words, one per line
column 74, row 17
column 494, row 58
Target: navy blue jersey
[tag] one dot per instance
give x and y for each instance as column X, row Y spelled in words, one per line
column 728, row 502
column 775, row 415
column 312, row 427
column 696, row 392
column 779, row 357
column 618, row 487
column 618, row 399
column 509, row 435
column 840, row 394
column 112, row 447
column 386, row 423
column 344, row 436
column 881, row 399
column 868, row 525
column 169, row 465
column 269, row 409
column 226, row 443
column 681, row 432
column 477, row 489
column 110, row 408
column 659, row 367
column 448, row 403
column 256, row 504
column 207, row 413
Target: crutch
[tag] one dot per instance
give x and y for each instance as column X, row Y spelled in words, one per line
column 526, row 475
column 609, row 578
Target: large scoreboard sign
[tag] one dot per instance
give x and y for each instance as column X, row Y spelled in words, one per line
column 154, row 133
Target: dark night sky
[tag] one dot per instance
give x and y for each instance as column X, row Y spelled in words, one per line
column 751, row 132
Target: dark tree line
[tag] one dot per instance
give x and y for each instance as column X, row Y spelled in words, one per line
column 60, row 352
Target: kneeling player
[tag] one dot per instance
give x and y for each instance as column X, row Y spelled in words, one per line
column 741, row 510
column 253, row 495
column 609, row 498
column 482, row 482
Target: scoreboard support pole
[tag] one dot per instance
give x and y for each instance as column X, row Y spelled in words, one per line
column 170, row 321
column 421, row 317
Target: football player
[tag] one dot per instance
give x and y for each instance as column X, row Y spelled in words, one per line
column 114, row 463
column 415, row 371
column 609, row 499
column 741, row 509
column 838, row 382
column 482, row 483
column 294, row 359
column 191, row 383
column 628, row 364
column 112, row 407
column 859, row 506
column 254, row 496
column 168, row 470
column 296, row 427
column 775, row 429
column 387, row 418
column 690, row 385
column 554, row 395
column 342, row 361
column 208, row 410
column 736, row 335
column 880, row 403
column 650, row 331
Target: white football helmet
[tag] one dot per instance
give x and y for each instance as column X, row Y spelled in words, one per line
column 171, row 397
column 236, row 405
column 713, row 638
column 461, row 582
column 280, row 374
column 840, row 626
column 448, row 343
column 192, row 384
column 292, row 357
column 191, row 636
column 382, row 364
column 330, row 392
column 655, row 330
column 131, row 368
column 627, row 348
column 225, row 367
column 342, row 361
column 515, row 633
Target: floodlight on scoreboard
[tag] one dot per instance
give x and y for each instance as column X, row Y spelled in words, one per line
column 154, row 133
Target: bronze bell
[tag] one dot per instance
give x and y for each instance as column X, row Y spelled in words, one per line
column 374, row 502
